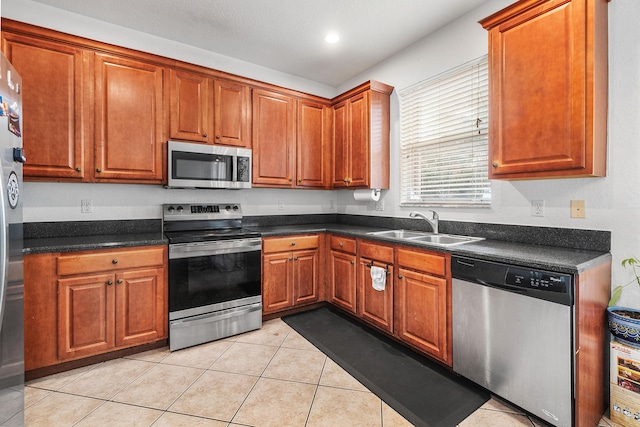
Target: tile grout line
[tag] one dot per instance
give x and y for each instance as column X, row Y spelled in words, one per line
column 208, row 368
column 315, row 392
column 260, row 376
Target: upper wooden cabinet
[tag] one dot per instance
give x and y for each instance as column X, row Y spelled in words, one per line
column 101, row 113
column 53, row 105
column 88, row 116
column 290, row 141
column 361, row 137
column 189, row 96
column 548, row 89
column 213, row 111
column 274, row 133
column 313, row 146
column 128, row 119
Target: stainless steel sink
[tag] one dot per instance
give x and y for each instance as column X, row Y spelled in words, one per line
column 398, row 234
column 427, row 238
column 445, row 239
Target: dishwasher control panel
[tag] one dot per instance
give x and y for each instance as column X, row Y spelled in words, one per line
column 534, row 279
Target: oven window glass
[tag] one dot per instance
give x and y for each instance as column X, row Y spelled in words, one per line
column 199, row 166
column 200, row 281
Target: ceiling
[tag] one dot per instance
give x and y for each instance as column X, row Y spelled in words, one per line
column 285, row 35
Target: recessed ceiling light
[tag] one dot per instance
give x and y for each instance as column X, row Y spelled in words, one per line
column 332, row 38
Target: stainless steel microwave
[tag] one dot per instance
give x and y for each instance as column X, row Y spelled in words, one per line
column 192, row 165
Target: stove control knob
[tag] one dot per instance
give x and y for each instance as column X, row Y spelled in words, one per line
column 170, row 209
column 228, row 208
column 235, row 207
column 180, row 208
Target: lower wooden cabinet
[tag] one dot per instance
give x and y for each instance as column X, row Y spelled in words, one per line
column 415, row 305
column 291, row 274
column 342, row 273
column 422, row 302
column 106, row 300
column 375, row 306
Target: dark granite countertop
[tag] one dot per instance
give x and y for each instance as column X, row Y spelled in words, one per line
column 89, row 235
column 531, row 247
column 83, row 243
column 561, row 259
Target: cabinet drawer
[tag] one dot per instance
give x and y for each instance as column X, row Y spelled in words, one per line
column 423, row 261
column 281, row 244
column 340, row 243
column 90, row 262
column 376, row 252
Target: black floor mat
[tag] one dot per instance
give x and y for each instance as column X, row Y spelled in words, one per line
column 423, row 392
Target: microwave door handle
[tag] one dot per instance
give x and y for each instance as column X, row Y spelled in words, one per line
column 234, row 171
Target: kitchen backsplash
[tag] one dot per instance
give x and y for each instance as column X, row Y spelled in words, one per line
column 549, row 236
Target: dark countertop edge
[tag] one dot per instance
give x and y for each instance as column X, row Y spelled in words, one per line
column 84, row 243
column 564, row 260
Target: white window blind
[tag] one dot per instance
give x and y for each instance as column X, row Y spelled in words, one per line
column 443, row 139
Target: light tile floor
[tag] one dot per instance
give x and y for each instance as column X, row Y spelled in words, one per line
column 270, row 377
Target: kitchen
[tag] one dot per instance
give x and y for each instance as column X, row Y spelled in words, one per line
column 609, row 201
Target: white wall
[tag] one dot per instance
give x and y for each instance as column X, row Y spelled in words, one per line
column 52, row 201
column 611, row 202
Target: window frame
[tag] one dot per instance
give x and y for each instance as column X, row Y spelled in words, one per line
column 450, row 133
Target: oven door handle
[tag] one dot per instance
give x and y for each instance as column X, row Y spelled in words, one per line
column 192, row 250
column 218, row 315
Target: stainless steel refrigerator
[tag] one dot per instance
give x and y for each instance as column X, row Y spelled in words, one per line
column 11, row 264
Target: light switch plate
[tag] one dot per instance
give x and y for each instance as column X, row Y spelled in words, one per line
column 578, row 209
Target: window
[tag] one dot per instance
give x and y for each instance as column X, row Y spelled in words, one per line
column 443, row 139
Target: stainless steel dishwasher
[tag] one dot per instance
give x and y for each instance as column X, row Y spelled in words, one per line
column 513, row 335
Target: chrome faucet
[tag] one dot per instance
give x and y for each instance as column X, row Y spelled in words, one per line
column 433, row 222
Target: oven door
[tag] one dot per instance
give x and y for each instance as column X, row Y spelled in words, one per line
column 209, row 276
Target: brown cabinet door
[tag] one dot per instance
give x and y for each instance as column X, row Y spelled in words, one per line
column 306, row 281
column 421, row 312
column 128, row 119
column 359, row 163
column 312, row 144
column 340, row 156
column 85, row 315
column 189, row 98
column 277, row 282
column 53, row 105
column 274, row 130
column 140, row 306
column 232, row 114
column 342, row 277
column 376, row 307
column 540, row 93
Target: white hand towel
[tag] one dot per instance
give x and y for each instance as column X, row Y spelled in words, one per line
column 378, row 278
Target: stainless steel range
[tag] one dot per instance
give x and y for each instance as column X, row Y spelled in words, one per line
column 214, row 273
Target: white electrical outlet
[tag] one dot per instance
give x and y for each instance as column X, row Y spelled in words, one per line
column 537, row 207
column 380, row 205
column 280, row 205
column 86, row 206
